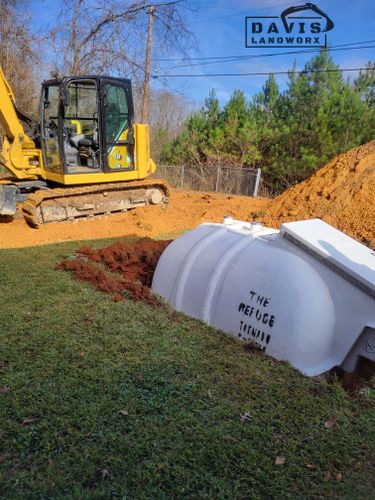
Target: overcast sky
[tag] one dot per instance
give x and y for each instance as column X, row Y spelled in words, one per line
column 219, row 28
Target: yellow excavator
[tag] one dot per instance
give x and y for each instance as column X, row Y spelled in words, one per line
column 83, row 157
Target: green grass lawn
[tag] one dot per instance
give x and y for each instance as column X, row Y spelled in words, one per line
column 101, row 399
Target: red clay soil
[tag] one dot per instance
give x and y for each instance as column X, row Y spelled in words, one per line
column 122, row 269
column 342, row 193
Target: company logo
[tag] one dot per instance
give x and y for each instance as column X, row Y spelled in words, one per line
column 299, row 26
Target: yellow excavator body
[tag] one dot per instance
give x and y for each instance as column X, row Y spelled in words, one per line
column 83, row 157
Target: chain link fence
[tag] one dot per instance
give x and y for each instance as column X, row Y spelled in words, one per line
column 219, row 179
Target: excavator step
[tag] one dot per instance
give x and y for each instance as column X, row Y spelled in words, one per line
column 69, row 204
column 9, row 195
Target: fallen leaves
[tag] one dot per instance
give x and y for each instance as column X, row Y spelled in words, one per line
column 277, row 438
column 328, row 476
column 330, row 424
column 117, row 298
column 29, row 420
column 246, row 417
column 105, row 474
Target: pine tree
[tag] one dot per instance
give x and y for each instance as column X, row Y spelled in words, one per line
column 289, row 134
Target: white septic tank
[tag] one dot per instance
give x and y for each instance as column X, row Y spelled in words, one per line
column 305, row 294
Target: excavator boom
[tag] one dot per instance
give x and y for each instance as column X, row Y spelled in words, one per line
column 19, row 154
column 8, row 117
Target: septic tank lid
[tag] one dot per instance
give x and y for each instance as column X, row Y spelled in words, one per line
column 344, row 255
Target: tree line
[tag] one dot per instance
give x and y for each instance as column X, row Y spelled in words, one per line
column 288, row 134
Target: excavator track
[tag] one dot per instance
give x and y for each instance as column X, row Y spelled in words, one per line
column 79, row 202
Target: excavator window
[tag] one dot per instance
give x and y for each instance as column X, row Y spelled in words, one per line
column 116, row 125
column 117, row 113
column 80, row 136
column 50, row 128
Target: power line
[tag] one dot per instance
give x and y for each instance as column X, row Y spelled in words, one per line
column 260, row 55
column 246, row 58
column 260, row 73
column 243, row 13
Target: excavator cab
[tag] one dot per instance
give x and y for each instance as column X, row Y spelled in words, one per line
column 84, row 157
column 87, row 125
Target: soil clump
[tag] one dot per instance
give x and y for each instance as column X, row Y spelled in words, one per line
column 121, row 270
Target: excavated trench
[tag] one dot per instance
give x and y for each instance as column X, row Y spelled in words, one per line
column 123, row 270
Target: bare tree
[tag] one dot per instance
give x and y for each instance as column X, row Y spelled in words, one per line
column 167, row 115
column 17, row 54
column 110, row 36
column 18, row 57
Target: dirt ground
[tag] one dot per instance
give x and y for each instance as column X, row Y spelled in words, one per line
column 342, row 193
column 185, row 210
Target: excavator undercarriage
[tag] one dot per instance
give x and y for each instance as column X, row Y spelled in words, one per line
column 40, row 204
column 68, row 204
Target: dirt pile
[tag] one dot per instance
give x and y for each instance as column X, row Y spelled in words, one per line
column 342, row 193
column 185, row 210
column 122, row 269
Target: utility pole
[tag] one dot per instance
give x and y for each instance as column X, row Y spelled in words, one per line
column 147, row 66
